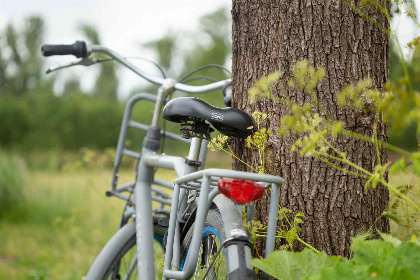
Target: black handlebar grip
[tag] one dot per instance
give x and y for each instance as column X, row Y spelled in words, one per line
column 78, row 49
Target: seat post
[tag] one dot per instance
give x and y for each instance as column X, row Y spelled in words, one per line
column 193, row 157
column 195, row 148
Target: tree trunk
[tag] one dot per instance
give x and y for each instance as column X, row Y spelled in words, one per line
column 271, row 35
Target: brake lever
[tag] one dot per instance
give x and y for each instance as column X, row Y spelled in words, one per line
column 87, row 61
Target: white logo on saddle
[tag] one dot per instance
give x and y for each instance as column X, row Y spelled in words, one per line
column 216, row 116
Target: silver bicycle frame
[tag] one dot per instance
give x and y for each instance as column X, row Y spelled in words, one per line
column 187, row 180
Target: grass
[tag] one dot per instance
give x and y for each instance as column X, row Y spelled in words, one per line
column 49, row 238
column 65, row 222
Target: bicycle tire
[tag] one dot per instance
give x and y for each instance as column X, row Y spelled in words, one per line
column 113, row 251
column 111, row 256
column 123, row 244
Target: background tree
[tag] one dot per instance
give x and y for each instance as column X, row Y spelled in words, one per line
column 184, row 51
column 274, row 35
column 164, row 48
column 216, row 50
column 107, row 82
column 20, row 71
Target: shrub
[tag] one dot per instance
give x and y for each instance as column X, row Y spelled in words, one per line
column 11, row 183
column 381, row 259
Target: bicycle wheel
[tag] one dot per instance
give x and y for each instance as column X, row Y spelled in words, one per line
column 117, row 260
column 216, row 261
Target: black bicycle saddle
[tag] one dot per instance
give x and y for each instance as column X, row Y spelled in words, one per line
column 229, row 121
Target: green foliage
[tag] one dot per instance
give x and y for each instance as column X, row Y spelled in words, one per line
column 317, row 131
column 306, row 77
column 16, row 120
column 383, row 259
column 257, row 141
column 405, row 221
column 183, row 51
column 20, row 58
column 264, row 86
column 91, row 160
column 164, row 48
column 286, row 231
column 12, row 173
column 107, row 83
column 63, row 124
column 286, row 265
column 222, row 143
column 46, row 121
column 404, row 136
column 215, row 47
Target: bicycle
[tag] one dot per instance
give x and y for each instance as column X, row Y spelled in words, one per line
column 203, row 233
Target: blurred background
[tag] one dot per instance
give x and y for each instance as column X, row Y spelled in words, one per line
column 58, row 131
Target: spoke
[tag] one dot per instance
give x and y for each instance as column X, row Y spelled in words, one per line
column 131, row 268
column 213, row 257
column 115, row 272
column 211, row 265
column 198, row 263
column 217, row 274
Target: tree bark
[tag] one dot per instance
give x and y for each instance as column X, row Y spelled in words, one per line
column 271, row 35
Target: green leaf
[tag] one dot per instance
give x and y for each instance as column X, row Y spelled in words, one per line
column 399, row 165
column 388, row 260
column 390, row 239
column 415, row 157
column 392, row 216
column 368, row 183
column 416, row 167
column 408, row 255
column 344, row 271
column 375, row 180
column 297, row 220
column 286, row 265
column 372, row 252
column 337, row 127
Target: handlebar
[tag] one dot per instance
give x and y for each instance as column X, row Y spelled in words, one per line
column 83, row 50
column 227, row 92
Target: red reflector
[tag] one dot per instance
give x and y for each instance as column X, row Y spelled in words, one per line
column 241, row 191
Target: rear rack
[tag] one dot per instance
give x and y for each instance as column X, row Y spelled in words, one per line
column 205, row 182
